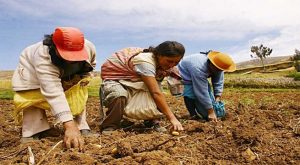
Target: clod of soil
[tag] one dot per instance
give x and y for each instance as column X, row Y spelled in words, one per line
column 259, row 128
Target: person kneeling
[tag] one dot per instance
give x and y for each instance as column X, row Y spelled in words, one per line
column 130, row 86
column 195, row 70
column 53, row 75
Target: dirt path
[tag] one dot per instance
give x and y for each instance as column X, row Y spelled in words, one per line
column 257, row 130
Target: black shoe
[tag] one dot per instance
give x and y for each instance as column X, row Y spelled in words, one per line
column 52, row 132
column 195, row 117
column 149, row 123
column 155, row 124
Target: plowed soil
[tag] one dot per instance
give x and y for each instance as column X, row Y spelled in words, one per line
column 258, row 129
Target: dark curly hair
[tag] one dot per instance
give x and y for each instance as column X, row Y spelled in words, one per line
column 167, row 48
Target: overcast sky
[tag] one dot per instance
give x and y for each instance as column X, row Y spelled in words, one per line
column 230, row 26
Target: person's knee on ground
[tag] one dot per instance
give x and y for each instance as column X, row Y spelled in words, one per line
column 83, row 125
column 114, row 114
column 34, row 121
column 190, row 105
column 35, row 125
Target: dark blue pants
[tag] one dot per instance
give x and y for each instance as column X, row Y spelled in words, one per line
column 195, row 108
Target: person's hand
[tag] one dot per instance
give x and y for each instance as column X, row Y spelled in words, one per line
column 176, row 125
column 84, row 83
column 212, row 115
column 73, row 138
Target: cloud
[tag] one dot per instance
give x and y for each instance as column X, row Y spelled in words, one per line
column 231, row 25
column 283, row 44
column 242, row 15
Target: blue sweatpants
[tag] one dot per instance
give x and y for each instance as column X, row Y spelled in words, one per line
column 195, row 108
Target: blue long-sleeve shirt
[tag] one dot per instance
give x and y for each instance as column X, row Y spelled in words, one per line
column 195, row 71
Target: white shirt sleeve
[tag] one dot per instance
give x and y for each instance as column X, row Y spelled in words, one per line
column 145, row 69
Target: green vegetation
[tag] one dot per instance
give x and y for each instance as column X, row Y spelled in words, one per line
column 295, row 75
column 296, row 59
column 6, row 89
column 283, row 73
column 6, row 94
column 273, row 67
column 247, row 101
column 272, row 90
column 253, row 82
column 263, row 80
column 261, row 83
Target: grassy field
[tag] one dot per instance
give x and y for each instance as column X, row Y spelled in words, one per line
column 6, row 91
column 273, row 82
column 278, row 74
column 280, row 79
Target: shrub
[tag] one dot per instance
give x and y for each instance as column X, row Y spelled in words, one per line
column 296, row 59
column 295, row 75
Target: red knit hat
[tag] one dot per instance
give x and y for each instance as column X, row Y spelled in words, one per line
column 69, row 42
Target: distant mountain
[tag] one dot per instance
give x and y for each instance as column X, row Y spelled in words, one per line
column 267, row 61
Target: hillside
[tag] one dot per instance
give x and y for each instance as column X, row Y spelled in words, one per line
column 267, row 61
column 7, row 74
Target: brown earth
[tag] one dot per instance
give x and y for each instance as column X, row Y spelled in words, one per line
column 258, row 129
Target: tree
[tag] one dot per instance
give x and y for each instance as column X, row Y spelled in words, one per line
column 261, row 52
column 296, row 59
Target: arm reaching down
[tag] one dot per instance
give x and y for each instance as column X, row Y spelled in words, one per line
column 161, row 102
